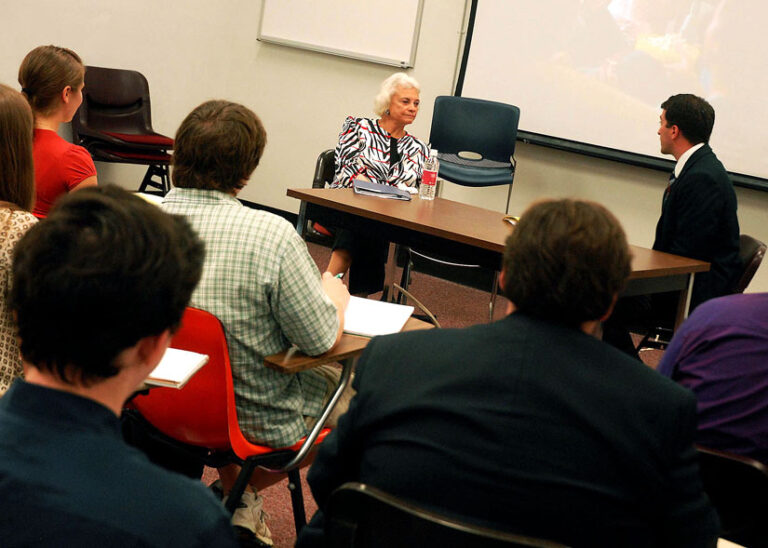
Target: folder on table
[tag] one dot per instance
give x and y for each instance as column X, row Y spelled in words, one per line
column 368, row 188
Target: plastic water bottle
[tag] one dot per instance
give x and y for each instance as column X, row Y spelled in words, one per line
column 429, row 176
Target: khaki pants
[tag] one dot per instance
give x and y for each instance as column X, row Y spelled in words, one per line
column 332, row 375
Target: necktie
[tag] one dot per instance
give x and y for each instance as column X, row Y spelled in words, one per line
column 672, row 179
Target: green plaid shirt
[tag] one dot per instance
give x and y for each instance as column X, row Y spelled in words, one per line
column 261, row 283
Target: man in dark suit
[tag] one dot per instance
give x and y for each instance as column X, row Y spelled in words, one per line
column 529, row 424
column 698, row 212
column 698, row 220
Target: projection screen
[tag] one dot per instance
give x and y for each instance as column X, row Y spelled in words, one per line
column 590, row 75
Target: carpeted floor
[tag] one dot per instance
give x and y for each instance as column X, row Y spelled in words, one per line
column 454, row 306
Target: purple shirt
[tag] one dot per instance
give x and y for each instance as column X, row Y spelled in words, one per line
column 721, row 354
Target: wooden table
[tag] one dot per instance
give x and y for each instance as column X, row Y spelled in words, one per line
column 460, row 230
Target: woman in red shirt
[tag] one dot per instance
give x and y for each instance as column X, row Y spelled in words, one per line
column 52, row 79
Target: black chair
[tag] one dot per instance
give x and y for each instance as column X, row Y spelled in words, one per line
column 751, row 253
column 360, row 516
column 738, row 489
column 114, row 123
column 308, row 229
column 475, row 140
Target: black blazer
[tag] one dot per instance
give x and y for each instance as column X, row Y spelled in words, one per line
column 523, row 426
column 698, row 220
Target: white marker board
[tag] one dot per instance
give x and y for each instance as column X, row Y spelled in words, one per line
column 379, row 31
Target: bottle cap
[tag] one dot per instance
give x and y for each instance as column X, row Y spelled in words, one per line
column 433, row 152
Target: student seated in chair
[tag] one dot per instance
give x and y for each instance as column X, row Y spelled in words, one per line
column 530, row 424
column 260, row 282
column 98, row 289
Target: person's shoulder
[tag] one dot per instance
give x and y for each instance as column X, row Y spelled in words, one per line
column 729, row 310
column 74, row 152
column 22, row 220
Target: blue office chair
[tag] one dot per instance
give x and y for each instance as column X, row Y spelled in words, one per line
column 475, row 140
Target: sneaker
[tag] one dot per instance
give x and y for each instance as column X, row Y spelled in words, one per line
column 250, row 516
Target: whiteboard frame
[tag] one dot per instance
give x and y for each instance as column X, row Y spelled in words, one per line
column 348, row 53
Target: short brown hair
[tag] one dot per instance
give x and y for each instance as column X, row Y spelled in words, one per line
column 565, row 261
column 17, row 178
column 693, row 115
column 45, row 72
column 217, row 147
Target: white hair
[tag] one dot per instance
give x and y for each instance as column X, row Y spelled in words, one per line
column 388, row 88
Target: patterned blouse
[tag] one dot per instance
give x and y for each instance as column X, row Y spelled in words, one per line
column 13, row 224
column 364, row 149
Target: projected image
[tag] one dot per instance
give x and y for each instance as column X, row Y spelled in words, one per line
column 596, row 71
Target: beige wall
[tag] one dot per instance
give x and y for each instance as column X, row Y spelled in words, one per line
column 196, row 50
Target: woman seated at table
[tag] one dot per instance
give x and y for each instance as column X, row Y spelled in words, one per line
column 378, row 150
column 52, row 78
column 17, row 194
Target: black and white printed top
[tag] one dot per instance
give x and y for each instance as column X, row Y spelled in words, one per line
column 364, row 149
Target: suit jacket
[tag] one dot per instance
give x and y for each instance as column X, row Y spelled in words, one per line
column 698, row 220
column 524, row 426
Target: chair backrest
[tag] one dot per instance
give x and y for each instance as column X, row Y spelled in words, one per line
column 362, row 516
column 114, row 100
column 204, row 412
column 751, row 253
column 474, row 125
column 197, row 413
column 738, row 489
column 324, row 169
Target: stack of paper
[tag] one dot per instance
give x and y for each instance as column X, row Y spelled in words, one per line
column 370, row 318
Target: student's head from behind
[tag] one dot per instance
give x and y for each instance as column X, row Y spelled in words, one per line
column 102, row 271
column 565, row 262
column 17, row 179
column 49, row 72
column 693, row 116
column 217, row 147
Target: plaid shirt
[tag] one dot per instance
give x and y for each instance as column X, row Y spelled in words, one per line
column 261, row 283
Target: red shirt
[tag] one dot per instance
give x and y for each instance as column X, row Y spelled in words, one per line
column 59, row 167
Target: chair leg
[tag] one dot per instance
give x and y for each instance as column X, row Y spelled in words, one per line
column 297, row 499
column 246, row 471
column 494, row 292
column 160, row 171
column 405, row 279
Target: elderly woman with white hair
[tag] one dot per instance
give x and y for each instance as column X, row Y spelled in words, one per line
column 382, row 151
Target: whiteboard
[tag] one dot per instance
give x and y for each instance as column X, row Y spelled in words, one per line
column 379, row 31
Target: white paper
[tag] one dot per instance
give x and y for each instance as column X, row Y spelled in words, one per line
column 370, row 318
column 176, row 368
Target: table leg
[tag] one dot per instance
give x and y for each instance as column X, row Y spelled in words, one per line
column 389, row 274
column 684, row 302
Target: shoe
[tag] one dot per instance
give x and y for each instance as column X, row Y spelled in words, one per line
column 250, row 517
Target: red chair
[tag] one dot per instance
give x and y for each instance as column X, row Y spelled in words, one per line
column 203, row 415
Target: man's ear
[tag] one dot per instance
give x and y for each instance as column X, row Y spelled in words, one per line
column 610, row 308
column 502, row 280
column 150, row 349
